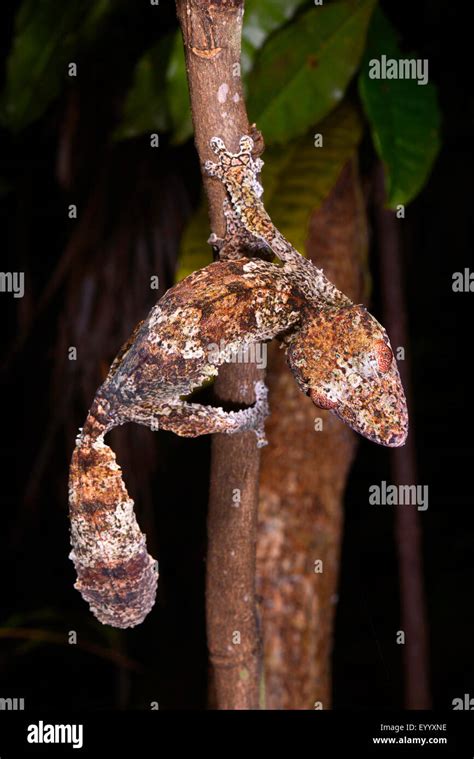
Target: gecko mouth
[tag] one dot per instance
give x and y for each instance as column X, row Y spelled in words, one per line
column 385, row 432
column 391, row 439
column 397, row 440
column 385, row 426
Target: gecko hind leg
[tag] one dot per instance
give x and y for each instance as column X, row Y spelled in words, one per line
column 194, row 419
column 243, row 159
column 238, row 241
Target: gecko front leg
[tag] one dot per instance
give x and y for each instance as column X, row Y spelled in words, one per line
column 193, row 419
column 252, row 224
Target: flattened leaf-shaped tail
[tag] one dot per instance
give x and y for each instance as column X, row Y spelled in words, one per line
column 115, row 573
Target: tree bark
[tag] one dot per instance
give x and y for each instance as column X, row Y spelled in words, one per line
column 302, row 483
column 212, row 38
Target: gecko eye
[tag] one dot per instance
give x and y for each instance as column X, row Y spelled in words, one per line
column 321, row 401
column 384, row 356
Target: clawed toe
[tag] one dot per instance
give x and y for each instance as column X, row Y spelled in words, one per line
column 246, row 144
column 211, row 168
column 217, row 145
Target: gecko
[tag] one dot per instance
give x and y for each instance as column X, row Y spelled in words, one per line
column 339, row 355
column 194, row 328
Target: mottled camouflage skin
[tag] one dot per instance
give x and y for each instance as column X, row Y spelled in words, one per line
column 337, row 351
column 342, row 356
column 231, row 303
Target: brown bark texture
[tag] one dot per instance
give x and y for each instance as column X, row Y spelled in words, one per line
column 302, row 481
column 212, row 37
column 403, row 465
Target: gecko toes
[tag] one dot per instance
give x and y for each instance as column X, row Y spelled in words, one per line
column 217, row 145
column 261, row 440
column 213, row 169
column 246, row 144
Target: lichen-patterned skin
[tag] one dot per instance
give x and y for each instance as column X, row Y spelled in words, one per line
column 341, row 356
column 115, row 573
column 337, row 351
column 228, row 304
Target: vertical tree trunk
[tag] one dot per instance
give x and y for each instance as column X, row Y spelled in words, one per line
column 212, row 38
column 403, row 461
column 302, row 483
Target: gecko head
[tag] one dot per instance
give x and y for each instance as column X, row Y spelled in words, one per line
column 342, row 358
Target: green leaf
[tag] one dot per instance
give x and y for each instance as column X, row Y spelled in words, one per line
column 404, row 118
column 261, row 18
column 46, row 36
column 303, row 70
column 145, row 108
column 195, row 253
column 297, row 178
column 158, row 99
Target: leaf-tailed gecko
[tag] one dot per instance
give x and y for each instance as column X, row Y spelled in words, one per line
column 339, row 354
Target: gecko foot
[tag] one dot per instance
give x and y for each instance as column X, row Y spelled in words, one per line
column 242, row 164
column 217, row 146
column 213, row 169
column 253, row 418
column 246, row 144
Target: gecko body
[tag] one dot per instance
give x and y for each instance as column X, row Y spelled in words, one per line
column 194, row 328
column 339, row 354
column 341, row 357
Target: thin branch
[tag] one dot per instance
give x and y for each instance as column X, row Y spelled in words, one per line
column 212, row 37
column 403, row 463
